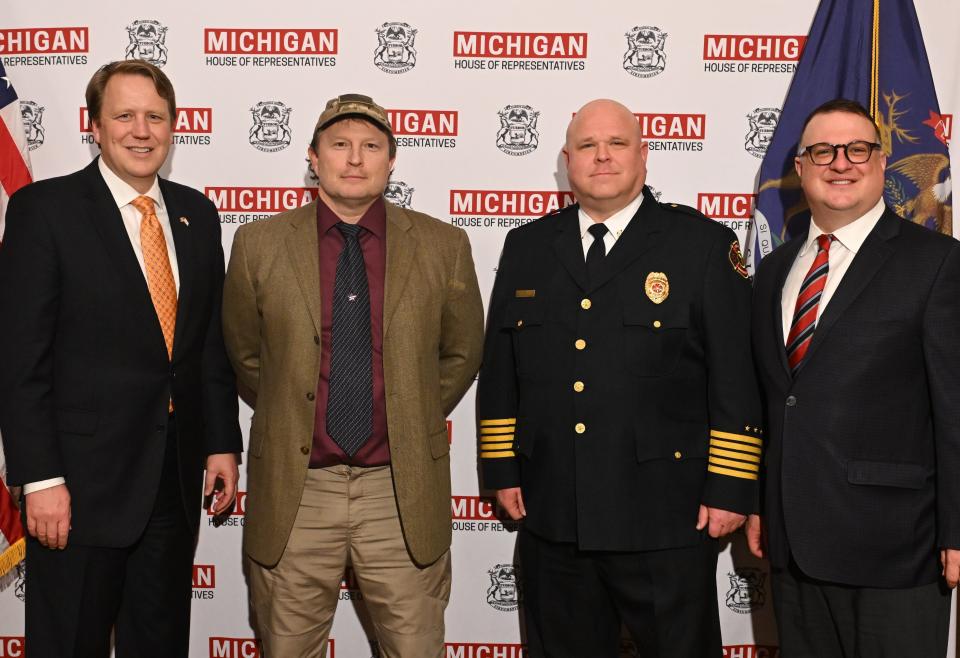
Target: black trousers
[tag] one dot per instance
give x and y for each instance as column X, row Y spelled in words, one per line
column 575, row 601
column 817, row 619
column 77, row 596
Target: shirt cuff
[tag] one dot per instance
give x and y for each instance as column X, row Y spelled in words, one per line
column 31, row 487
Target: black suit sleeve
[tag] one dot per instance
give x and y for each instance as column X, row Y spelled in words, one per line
column 941, row 351
column 29, row 302
column 732, row 393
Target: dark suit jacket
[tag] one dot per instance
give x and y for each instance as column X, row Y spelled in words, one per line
column 864, row 444
column 85, row 377
column 662, row 383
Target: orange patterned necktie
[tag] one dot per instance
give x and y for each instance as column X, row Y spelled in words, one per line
column 163, row 289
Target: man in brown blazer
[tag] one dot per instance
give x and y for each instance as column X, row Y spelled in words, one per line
column 358, row 326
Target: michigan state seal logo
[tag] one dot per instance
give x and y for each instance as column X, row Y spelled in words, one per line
column 746, row 590
column 32, row 116
column 395, row 52
column 398, row 193
column 645, row 56
column 271, row 126
column 147, row 41
column 504, row 592
column 518, row 130
column 763, row 121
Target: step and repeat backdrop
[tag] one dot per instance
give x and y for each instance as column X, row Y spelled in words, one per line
column 479, row 97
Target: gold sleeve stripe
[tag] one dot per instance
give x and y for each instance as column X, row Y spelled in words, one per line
column 498, row 421
column 736, row 437
column 736, row 455
column 735, row 464
column 497, row 446
column 732, row 473
column 496, row 438
column 735, row 446
column 506, row 429
column 497, row 454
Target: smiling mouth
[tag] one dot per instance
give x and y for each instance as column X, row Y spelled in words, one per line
column 140, row 149
column 842, row 182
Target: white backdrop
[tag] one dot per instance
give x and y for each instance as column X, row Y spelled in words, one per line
column 447, row 84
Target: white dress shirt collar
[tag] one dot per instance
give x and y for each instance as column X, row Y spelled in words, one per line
column 616, row 223
column 123, row 193
column 850, row 236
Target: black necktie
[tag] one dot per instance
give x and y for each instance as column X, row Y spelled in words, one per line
column 597, row 251
column 350, row 400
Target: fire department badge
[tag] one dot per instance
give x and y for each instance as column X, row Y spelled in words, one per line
column 763, row 121
column 645, row 56
column 504, row 592
column 746, row 590
column 657, row 287
column 398, row 193
column 395, row 52
column 271, row 126
column 518, row 130
column 147, row 41
column 736, row 259
column 32, row 116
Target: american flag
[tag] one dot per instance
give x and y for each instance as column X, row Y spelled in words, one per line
column 14, row 174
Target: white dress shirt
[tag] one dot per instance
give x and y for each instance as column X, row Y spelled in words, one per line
column 846, row 244
column 615, row 223
column 123, row 194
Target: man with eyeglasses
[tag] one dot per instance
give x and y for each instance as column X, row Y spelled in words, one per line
column 853, row 331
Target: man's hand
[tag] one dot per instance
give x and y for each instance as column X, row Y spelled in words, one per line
column 721, row 521
column 512, row 501
column 756, row 536
column 224, row 466
column 48, row 516
column 950, row 559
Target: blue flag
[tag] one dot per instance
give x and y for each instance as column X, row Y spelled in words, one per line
column 870, row 51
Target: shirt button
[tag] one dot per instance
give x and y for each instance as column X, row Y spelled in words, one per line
column 585, row 304
column 580, row 344
column 677, row 455
column 305, row 450
column 791, row 401
column 578, row 387
column 656, row 324
column 579, row 428
column 519, row 323
column 310, row 396
column 316, row 340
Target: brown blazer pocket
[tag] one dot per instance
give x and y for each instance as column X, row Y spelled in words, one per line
column 439, row 445
column 75, row 421
column 886, row 474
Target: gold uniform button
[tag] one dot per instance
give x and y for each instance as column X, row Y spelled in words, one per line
column 656, row 324
column 580, row 428
column 677, row 455
column 305, row 450
column 578, row 387
column 585, row 304
column 580, row 344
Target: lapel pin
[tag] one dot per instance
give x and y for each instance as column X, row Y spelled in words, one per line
column 185, row 221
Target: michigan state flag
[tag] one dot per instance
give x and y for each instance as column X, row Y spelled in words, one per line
column 870, row 51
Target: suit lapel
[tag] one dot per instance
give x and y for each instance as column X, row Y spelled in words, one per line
column 639, row 237
column 569, row 247
column 401, row 248
column 870, row 257
column 790, row 251
column 303, row 246
column 183, row 243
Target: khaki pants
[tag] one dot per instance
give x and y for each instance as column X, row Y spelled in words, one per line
column 349, row 514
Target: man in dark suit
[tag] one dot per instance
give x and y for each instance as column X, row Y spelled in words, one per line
column 619, row 417
column 854, row 329
column 115, row 390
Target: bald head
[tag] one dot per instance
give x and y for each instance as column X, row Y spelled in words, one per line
column 606, row 157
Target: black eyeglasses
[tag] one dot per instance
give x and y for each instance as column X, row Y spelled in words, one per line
column 856, row 152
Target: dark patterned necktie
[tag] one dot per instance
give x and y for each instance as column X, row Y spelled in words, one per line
column 597, row 251
column 350, row 399
column 808, row 301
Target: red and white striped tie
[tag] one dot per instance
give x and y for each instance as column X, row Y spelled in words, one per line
column 808, row 301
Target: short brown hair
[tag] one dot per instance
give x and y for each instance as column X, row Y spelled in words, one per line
column 839, row 105
column 98, row 84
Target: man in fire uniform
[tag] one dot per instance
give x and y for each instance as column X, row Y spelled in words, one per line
column 619, row 415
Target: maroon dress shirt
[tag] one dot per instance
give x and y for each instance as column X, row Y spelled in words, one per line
column 373, row 243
